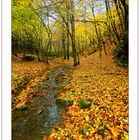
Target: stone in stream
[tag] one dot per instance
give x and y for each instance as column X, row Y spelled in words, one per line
column 23, row 107
column 39, row 111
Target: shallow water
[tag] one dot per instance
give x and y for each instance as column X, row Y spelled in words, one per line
column 42, row 113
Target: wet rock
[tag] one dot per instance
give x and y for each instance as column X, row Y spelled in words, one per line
column 39, row 111
column 23, row 107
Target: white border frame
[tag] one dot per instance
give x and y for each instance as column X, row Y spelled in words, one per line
column 138, row 34
column 1, row 65
column 133, row 70
column 6, row 69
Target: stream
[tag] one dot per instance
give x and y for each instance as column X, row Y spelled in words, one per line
column 42, row 113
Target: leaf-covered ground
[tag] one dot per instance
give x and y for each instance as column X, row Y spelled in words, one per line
column 97, row 80
column 25, row 76
column 105, row 85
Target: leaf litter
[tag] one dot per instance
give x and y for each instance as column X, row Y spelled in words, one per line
column 99, row 81
column 105, row 85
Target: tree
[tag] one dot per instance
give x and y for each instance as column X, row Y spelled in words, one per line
column 69, row 27
column 119, row 30
column 25, row 32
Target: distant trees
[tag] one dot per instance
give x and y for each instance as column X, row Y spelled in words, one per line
column 26, row 34
column 68, row 28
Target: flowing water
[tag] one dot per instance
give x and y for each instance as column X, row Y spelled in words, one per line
column 42, row 113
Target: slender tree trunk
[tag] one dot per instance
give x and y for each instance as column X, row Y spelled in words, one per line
column 63, row 44
column 96, row 30
column 125, row 6
column 102, row 41
column 73, row 33
column 68, row 45
column 46, row 54
column 120, row 15
column 67, row 26
column 112, row 24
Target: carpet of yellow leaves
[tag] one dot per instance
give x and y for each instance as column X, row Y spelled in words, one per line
column 98, row 80
column 106, row 86
column 25, row 76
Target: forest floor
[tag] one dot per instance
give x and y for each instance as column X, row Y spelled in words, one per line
column 99, row 81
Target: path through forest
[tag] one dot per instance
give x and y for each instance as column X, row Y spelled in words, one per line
column 100, row 82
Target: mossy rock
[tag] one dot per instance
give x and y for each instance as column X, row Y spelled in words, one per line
column 101, row 131
column 83, row 103
column 63, row 102
column 84, row 130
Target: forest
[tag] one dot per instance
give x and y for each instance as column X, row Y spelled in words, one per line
column 70, row 69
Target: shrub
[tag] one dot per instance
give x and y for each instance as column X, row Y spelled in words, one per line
column 28, row 58
column 120, row 53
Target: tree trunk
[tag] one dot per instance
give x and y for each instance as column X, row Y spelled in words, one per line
column 112, row 24
column 67, row 26
column 125, row 13
column 73, row 33
column 96, row 30
column 63, row 44
column 68, row 45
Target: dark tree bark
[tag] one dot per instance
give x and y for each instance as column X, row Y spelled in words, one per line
column 64, row 43
column 67, row 26
column 73, row 33
column 96, row 29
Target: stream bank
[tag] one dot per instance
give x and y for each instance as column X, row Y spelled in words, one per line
column 41, row 114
